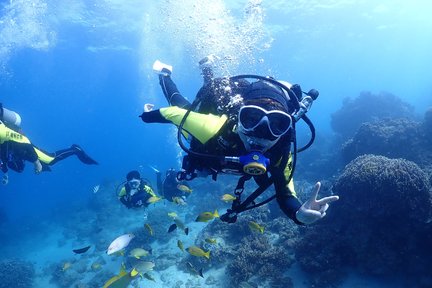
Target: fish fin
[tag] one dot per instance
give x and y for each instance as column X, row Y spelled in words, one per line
column 200, row 272
column 216, row 214
column 122, row 266
column 186, row 231
column 154, row 169
column 134, row 272
column 207, row 254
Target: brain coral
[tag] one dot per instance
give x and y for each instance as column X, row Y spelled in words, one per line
column 383, row 189
column 395, row 138
column 379, row 225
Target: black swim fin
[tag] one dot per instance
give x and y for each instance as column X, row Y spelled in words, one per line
column 83, row 156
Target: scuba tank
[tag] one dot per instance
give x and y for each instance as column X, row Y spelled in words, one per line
column 10, row 118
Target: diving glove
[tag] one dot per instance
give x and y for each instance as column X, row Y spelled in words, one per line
column 162, row 68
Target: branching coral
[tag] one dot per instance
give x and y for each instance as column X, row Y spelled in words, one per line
column 255, row 256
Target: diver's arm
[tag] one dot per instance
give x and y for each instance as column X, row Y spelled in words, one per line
column 314, row 209
column 149, row 191
column 286, row 198
column 285, row 192
column 201, row 126
column 123, row 197
column 3, row 157
column 171, row 92
column 307, row 213
column 154, row 116
column 125, row 202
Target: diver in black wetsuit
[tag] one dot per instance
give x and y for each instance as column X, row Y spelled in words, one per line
column 15, row 148
column 170, row 187
column 251, row 137
column 136, row 191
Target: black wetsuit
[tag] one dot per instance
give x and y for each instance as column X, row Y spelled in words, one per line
column 139, row 199
column 227, row 142
column 168, row 187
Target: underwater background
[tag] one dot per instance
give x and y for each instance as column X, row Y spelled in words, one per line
column 80, row 71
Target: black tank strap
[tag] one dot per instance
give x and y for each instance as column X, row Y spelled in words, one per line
column 238, row 206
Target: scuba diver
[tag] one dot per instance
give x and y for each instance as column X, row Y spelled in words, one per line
column 136, row 192
column 171, row 188
column 242, row 125
column 15, row 148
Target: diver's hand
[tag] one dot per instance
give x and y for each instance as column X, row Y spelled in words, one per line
column 37, row 167
column 148, row 107
column 313, row 209
column 5, row 179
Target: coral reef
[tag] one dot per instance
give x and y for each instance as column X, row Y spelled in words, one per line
column 379, row 225
column 16, row 273
column 393, row 138
column 252, row 257
column 367, row 107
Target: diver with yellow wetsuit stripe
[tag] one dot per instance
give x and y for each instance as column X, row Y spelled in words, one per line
column 136, row 191
column 244, row 125
column 15, row 148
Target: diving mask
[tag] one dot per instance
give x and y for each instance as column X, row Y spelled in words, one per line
column 251, row 116
column 134, row 183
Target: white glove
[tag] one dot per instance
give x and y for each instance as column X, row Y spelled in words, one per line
column 162, row 68
column 313, row 209
column 37, row 166
column 148, row 107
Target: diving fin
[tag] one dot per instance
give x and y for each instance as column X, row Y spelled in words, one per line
column 82, row 156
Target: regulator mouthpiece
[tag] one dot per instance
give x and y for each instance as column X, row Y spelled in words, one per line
column 254, row 163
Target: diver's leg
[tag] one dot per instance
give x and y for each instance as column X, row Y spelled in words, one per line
column 73, row 150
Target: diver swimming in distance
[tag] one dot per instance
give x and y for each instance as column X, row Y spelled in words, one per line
column 16, row 149
column 136, row 191
column 171, row 188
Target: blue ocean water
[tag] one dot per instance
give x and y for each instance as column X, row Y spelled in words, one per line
column 80, row 73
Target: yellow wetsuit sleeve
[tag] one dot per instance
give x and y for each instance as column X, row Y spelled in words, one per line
column 201, row 126
column 43, row 157
column 149, row 191
column 122, row 192
column 7, row 134
column 287, row 172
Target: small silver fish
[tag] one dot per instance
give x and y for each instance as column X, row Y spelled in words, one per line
column 96, row 189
